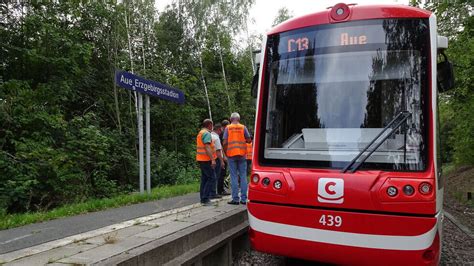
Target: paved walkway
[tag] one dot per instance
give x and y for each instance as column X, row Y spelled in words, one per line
column 34, row 234
column 98, row 245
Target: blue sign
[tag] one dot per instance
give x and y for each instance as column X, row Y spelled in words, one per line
column 132, row 82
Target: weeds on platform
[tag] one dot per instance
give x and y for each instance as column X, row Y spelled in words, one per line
column 110, row 238
column 15, row 220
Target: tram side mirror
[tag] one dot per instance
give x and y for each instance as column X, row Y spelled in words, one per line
column 445, row 74
column 255, row 83
column 256, row 62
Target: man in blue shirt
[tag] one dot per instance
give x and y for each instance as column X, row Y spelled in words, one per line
column 236, row 151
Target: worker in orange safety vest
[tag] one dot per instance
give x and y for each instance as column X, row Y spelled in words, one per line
column 235, row 138
column 206, row 157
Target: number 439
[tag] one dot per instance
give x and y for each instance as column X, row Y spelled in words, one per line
column 329, row 220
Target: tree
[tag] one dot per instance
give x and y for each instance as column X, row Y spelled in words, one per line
column 282, row 15
column 456, row 106
column 68, row 133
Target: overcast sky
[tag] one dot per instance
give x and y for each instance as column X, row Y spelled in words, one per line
column 263, row 12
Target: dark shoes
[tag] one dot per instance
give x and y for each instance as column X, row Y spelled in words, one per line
column 207, row 203
column 233, row 202
column 216, row 197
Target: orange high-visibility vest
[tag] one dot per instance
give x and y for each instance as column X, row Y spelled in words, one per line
column 201, row 154
column 236, row 144
column 249, row 151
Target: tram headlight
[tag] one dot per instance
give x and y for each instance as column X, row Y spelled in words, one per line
column 425, row 188
column 266, row 181
column 408, row 190
column 277, row 184
column 392, row 191
column 255, row 179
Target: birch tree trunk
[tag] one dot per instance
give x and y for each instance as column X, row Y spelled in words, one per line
column 250, row 47
column 223, row 74
column 130, row 53
column 130, row 57
column 226, row 88
column 117, row 109
column 204, row 84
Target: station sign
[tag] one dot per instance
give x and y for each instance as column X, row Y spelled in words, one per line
column 136, row 83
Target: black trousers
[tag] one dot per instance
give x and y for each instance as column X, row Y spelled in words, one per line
column 207, row 177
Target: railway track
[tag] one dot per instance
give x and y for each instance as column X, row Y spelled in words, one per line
column 458, row 243
column 459, row 225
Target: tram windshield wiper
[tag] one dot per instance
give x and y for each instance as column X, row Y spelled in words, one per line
column 401, row 118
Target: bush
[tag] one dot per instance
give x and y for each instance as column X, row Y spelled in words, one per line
column 170, row 168
column 48, row 161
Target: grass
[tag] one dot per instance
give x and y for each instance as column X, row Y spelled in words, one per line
column 15, row 220
column 448, row 168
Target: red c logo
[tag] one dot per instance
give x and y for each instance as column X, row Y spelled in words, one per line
column 328, row 190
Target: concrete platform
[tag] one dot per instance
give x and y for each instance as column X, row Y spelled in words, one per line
column 173, row 237
column 39, row 233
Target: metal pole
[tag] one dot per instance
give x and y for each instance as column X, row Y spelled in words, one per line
column 140, row 142
column 148, row 164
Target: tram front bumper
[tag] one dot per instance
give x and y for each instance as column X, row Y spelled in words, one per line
column 344, row 237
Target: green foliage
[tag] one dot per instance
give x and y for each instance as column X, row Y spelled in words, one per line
column 446, row 127
column 457, row 106
column 462, row 54
column 46, row 158
column 282, row 15
column 68, row 134
column 171, row 169
column 451, row 15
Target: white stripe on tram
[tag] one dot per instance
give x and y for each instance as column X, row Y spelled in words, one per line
column 418, row 242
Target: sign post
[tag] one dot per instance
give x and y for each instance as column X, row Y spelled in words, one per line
column 149, row 88
column 140, row 141
column 147, row 134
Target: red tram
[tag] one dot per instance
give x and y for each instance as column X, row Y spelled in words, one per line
column 346, row 164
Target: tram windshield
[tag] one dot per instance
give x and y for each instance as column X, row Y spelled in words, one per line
column 330, row 90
